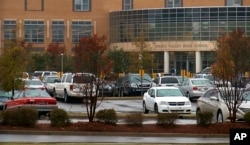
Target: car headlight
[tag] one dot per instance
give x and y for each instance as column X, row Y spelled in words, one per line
column 133, row 85
column 187, row 103
column 164, row 103
column 153, row 84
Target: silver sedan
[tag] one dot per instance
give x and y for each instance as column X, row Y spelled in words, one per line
column 193, row 88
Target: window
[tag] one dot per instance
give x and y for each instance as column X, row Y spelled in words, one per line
column 57, row 31
column 127, row 4
column 34, row 31
column 173, row 3
column 234, row 2
column 82, row 5
column 9, row 30
column 81, row 29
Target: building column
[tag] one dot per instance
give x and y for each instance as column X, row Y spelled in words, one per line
column 166, row 62
column 198, row 61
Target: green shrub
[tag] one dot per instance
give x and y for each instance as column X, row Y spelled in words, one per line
column 134, row 119
column 107, row 116
column 204, row 118
column 247, row 118
column 167, row 119
column 24, row 116
column 59, row 118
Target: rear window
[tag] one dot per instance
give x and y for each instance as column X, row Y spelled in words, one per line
column 81, row 79
column 169, row 80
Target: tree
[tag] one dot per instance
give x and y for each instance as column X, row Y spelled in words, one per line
column 91, row 56
column 54, row 52
column 232, row 61
column 120, row 60
column 12, row 63
column 142, row 58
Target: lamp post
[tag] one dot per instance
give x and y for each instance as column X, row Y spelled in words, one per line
column 61, row 64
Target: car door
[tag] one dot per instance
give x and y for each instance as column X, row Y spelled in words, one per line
column 211, row 104
column 151, row 99
column 16, row 101
column 184, row 86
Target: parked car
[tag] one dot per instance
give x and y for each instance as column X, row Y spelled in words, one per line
column 167, row 99
column 49, row 83
column 41, row 74
column 34, row 98
column 212, row 101
column 75, row 85
column 34, row 84
column 117, row 87
column 4, row 97
column 134, row 84
column 166, row 81
column 193, row 88
column 106, row 88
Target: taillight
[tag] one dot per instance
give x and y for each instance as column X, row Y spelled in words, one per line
column 71, row 87
column 195, row 88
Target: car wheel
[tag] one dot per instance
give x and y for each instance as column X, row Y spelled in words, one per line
column 145, row 110
column 156, row 109
column 54, row 93
column 198, row 118
column 188, row 96
column 219, row 117
column 66, row 97
column 121, row 93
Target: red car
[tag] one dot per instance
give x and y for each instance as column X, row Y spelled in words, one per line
column 36, row 98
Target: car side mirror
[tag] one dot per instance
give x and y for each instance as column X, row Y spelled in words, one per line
column 153, row 96
column 213, row 98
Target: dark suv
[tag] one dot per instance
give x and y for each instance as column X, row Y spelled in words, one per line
column 134, row 84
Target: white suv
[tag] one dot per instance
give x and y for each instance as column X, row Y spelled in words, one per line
column 75, row 85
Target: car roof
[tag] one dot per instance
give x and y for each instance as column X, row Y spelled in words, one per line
column 165, row 87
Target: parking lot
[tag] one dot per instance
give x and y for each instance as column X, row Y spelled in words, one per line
column 121, row 106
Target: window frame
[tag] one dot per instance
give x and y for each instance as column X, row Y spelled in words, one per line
column 9, row 28
column 34, row 28
column 81, row 28
column 83, row 5
column 174, row 3
column 55, row 31
column 127, row 4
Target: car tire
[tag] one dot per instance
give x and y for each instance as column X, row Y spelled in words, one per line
column 219, row 117
column 156, row 109
column 198, row 119
column 54, row 93
column 66, row 97
column 145, row 110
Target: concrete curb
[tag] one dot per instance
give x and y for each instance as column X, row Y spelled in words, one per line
column 134, row 134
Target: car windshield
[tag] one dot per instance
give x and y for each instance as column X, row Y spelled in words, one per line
column 35, row 93
column 4, row 94
column 201, row 82
column 168, row 92
column 137, row 78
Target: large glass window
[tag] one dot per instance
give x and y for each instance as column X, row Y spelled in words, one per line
column 173, row 3
column 82, row 5
column 81, row 29
column 34, row 31
column 57, row 31
column 127, row 4
column 234, row 2
column 9, row 30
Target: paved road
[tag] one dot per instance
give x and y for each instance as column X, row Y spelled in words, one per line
column 108, row 139
column 118, row 105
